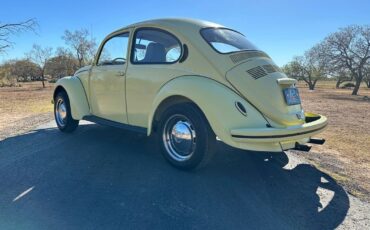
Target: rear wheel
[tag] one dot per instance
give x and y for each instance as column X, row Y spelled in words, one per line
column 186, row 137
column 62, row 113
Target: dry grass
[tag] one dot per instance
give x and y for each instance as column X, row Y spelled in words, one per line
column 346, row 153
column 19, row 103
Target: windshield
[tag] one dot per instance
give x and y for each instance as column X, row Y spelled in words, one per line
column 226, row 40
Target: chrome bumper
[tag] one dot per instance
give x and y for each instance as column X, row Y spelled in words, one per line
column 314, row 125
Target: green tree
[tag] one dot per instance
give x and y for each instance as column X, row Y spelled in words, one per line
column 349, row 49
column 309, row 67
column 63, row 64
column 6, row 77
column 25, row 70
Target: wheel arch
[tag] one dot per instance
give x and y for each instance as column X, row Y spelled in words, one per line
column 167, row 103
column 76, row 95
column 57, row 90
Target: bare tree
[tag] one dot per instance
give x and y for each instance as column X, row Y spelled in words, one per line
column 63, row 64
column 9, row 29
column 309, row 68
column 349, row 48
column 40, row 56
column 82, row 45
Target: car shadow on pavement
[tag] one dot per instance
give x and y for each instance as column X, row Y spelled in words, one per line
column 105, row 178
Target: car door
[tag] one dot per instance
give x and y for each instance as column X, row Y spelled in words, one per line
column 107, row 79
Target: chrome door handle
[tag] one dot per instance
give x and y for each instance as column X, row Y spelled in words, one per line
column 120, row 74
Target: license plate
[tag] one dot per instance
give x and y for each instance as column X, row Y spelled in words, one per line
column 292, row 96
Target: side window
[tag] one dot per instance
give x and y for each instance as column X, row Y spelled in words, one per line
column 154, row 46
column 114, row 51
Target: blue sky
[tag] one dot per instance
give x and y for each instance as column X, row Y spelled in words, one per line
column 281, row 28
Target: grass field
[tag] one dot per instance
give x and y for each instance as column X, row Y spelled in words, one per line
column 24, row 107
column 345, row 155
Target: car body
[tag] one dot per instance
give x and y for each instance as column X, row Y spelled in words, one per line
column 247, row 101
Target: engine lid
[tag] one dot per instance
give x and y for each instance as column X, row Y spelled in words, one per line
column 262, row 83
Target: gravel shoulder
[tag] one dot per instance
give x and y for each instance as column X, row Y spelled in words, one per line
column 24, row 124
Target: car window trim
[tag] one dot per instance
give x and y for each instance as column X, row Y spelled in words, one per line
column 133, row 43
column 105, row 42
column 224, row 28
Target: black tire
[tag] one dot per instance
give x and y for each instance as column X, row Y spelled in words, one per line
column 195, row 128
column 66, row 123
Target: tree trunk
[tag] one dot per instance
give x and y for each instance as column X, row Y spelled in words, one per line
column 308, row 81
column 337, row 84
column 312, row 84
column 357, row 87
column 339, row 81
column 43, row 79
column 43, row 82
column 368, row 83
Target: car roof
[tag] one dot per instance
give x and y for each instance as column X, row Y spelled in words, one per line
column 174, row 23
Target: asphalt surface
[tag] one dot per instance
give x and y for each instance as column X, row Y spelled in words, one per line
column 105, row 178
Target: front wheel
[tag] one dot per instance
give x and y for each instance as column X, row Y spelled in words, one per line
column 62, row 113
column 186, row 137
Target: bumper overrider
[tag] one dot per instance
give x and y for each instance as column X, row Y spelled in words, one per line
column 313, row 125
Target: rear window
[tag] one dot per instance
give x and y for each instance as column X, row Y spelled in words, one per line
column 226, row 41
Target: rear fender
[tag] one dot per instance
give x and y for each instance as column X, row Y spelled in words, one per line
column 216, row 101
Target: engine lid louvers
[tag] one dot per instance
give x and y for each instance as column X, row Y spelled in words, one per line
column 257, row 72
column 261, row 71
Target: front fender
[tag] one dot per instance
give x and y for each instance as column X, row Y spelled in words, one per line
column 216, row 101
column 76, row 94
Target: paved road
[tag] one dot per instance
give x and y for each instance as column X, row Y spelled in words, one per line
column 105, row 178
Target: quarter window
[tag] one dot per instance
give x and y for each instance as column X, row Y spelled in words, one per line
column 154, row 46
column 114, row 51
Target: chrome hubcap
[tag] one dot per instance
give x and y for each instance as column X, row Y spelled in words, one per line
column 179, row 137
column 61, row 112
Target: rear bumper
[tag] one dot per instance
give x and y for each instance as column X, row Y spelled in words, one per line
column 314, row 124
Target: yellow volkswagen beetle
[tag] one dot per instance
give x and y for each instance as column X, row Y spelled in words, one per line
column 188, row 81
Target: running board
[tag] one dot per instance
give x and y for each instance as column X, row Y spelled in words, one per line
column 115, row 124
column 317, row 141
